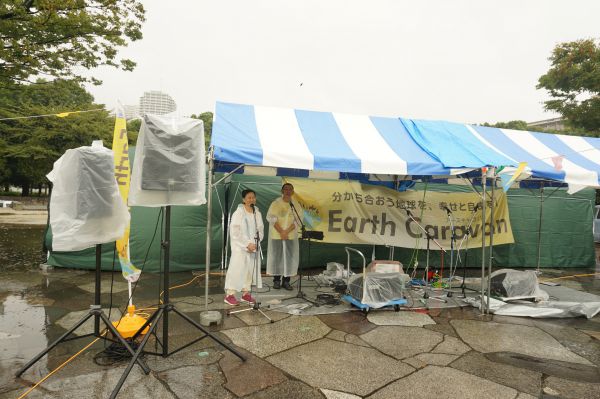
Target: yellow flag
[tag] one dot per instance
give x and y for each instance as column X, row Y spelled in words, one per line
column 120, row 149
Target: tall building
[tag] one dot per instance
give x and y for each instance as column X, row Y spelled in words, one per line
column 156, row 102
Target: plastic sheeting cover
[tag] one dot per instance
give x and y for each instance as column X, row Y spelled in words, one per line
column 169, row 165
column 378, row 289
column 508, row 283
column 85, row 206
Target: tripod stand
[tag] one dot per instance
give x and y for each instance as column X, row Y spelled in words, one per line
column 163, row 314
column 255, row 272
column 429, row 238
column 98, row 314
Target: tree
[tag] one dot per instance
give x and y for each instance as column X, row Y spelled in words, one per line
column 30, row 146
column 56, row 38
column 207, row 118
column 573, row 82
column 515, row 125
column 133, row 129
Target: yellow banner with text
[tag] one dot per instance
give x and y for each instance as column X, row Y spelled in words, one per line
column 353, row 213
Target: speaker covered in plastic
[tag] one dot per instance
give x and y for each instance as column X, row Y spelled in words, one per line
column 169, row 166
column 85, row 205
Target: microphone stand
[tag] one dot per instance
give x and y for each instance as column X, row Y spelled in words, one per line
column 301, row 294
column 464, row 264
column 429, row 238
column 255, row 271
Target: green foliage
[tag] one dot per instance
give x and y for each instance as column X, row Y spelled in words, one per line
column 573, row 81
column 29, row 146
column 207, row 118
column 58, row 38
column 133, row 129
column 515, row 125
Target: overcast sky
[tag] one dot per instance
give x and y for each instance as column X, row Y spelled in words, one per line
column 465, row 61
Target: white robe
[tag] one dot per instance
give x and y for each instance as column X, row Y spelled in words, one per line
column 242, row 230
column 283, row 256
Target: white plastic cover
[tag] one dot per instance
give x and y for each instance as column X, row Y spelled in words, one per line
column 378, row 289
column 283, row 255
column 516, row 284
column 169, row 166
column 85, row 206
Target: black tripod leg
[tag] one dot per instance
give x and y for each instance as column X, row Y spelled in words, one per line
column 208, row 333
column 52, row 345
column 137, row 354
column 116, row 334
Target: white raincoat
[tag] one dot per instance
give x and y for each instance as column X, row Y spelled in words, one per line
column 283, row 255
column 242, row 230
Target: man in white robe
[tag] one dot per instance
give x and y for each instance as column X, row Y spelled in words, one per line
column 284, row 230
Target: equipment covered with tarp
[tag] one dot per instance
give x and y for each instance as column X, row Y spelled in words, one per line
column 85, row 204
column 169, row 166
column 516, row 284
column 376, row 290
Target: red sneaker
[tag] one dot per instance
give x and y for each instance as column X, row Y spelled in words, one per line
column 231, row 300
column 248, row 298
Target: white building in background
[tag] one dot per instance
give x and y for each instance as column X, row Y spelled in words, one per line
column 156, row 102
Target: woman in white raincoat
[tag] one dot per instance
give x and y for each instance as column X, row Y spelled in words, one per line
column 284, row 231
column 242, row 273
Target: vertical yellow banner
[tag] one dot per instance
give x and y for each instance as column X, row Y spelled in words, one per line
column 120, row 149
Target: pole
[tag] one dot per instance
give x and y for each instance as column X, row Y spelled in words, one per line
column 539, row 243
column 489, row 281
column 483, row 206
column 166, row 247
column 97, row 288
column 208, row 223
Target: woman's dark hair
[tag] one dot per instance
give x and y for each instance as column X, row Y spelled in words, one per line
column 287, row 184
column 248, row 191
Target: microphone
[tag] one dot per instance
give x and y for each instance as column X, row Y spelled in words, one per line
column 253, row 208
column 447, row 209
column 408, row 212
column 292, row 205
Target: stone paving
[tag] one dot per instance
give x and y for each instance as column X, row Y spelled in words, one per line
column 441, row 353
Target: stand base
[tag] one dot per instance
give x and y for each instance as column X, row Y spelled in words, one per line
column 255, row 307
column 163, row 312
column 96, row 312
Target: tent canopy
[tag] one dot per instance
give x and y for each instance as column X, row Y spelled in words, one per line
column 318, row 144
column 300, row 143
column 571, row 159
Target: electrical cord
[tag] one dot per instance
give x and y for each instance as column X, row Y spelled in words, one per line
column 114, row 353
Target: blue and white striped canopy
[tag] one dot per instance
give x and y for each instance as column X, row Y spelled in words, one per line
column 570, row 159
column 318, row 144
column 292, row 142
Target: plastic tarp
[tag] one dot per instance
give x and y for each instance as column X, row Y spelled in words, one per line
column 510, row 284
column 85, row 206
column 376, row 289
column 169, row 166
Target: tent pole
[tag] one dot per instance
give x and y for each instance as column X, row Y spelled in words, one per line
column 489, row 286
column 539, row 243
column 208, row 223
column 483, row 203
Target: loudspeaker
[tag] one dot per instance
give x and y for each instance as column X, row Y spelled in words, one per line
column 96, row 184
column 170, row 157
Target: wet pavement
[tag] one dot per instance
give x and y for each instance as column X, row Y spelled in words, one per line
column 449, row 353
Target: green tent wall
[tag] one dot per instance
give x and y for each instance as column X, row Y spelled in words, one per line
column 566, row 238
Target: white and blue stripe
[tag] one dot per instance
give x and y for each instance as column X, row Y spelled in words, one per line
column 310, row 144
